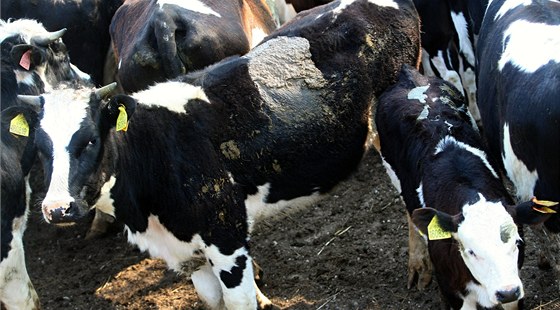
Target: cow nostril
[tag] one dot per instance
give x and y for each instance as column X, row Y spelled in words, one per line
column 506, row 296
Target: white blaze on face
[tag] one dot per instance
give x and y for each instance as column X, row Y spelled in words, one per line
column 63, row 113
column 159, row 95
column 488, row 245
column 523, row 179
column 191, row 5
column 529, row 46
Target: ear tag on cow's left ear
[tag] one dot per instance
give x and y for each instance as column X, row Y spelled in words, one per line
column 543, row 205
column 122, row 119
column 25, row 60
column 19, row 126
column 435, row 231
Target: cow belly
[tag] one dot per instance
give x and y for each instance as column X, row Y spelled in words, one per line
column 16, row 289
column 161, row 243
column 258, row 208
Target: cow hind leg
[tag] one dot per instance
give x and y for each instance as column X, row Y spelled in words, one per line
column 419, row 263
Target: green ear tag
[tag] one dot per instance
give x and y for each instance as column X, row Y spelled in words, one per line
column 122, row 119
column 435, row 232
column 19, row 126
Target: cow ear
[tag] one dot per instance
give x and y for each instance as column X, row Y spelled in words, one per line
column 435, row 224
column 27, row 56
column 19, row 120
column 533, row 212
column 118, row 111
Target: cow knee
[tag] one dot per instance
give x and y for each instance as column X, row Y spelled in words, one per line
column 100, row 225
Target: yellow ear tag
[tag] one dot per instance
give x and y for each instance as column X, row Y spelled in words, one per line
column 435, row 232
column 19, row 126
column 543, row 205
column 122, row 119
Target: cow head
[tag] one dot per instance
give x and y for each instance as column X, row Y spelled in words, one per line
column 71, row 136
column 38, row 57
column 487, row 238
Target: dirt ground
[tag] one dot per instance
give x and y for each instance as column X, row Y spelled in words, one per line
column 347, row 252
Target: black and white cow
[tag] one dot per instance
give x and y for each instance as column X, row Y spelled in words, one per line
column 519, row 94
column 206, row 155
column 455, row 199
column 449, row 30
column 156, row 40
column 87, row 22
column 17, row 154
column 34, row 58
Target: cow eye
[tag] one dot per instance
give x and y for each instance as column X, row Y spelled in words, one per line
column 471, row 253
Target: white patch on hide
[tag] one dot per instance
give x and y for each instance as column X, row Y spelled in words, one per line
column 509, row 5
column 523, row 179
column 479, row 153
column 159, row 95
column 529, row 46
column 392, row 175
column 161, row 243
column 257, row 35
column 105, row 202
column 191, row 5
column 258, row 208
column 418, row 93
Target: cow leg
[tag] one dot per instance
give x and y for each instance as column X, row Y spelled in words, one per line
column 208, row 287
column 469, row 83
column 235, row 274
column 419, row 263
column 448, row 75
column 104, row 212
column 100, row 224
column 16, row 289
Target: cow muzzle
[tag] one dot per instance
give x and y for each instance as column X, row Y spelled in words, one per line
column 64, row 213
column 509, row 294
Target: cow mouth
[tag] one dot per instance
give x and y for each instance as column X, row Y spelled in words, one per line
column 64, row 215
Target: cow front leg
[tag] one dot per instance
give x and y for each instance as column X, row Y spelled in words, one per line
column 419, row 263
column 236, row 279
column 208, row 287
column 16, row 289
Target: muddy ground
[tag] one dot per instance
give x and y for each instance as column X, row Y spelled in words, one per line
column 347, row 252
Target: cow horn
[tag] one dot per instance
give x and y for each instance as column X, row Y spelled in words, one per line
column 31, row 100
column 44, row 40
column 105, row 90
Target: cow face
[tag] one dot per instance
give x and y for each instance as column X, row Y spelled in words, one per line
column 72, row 153
column 487, row 238
column 38, row 58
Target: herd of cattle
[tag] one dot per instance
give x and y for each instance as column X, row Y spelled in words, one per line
column 227, row 112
